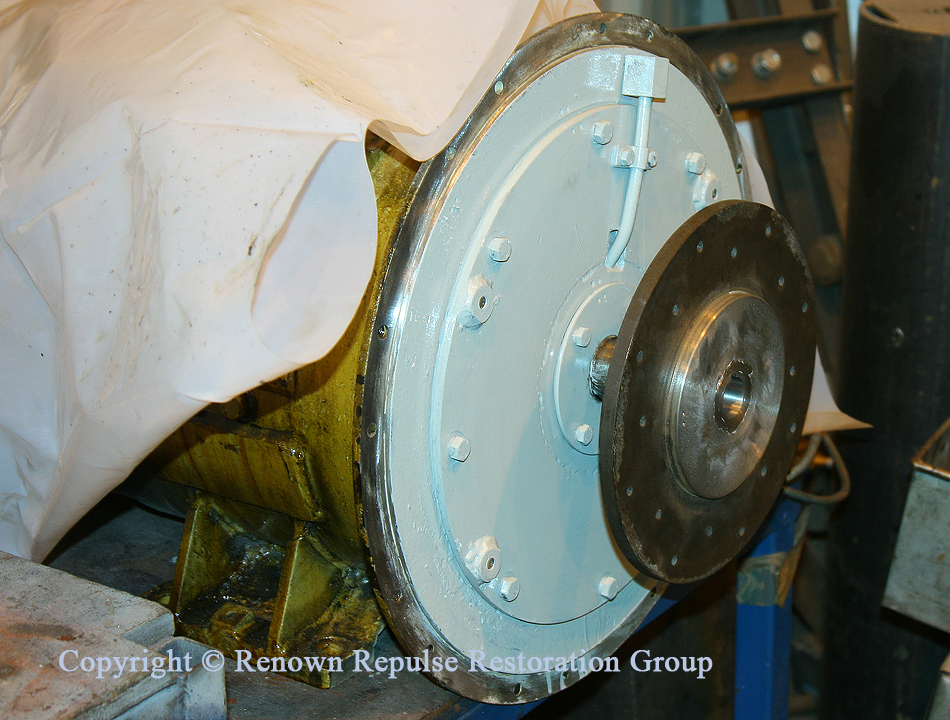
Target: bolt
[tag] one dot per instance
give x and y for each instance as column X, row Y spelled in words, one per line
column 624, row 156
column 608, row 587
column 602, row 132
column 651, row 159
column 484, row 558
column 581, row 336
column 766, row 63
column 725, row 66
column 499, row 249
column 812, row 41
column 509, row 589
column 821, row 74
column 696, row 163
column 459, row 448
column 584, row 434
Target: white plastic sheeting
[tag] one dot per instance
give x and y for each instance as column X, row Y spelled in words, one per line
column 187, row 211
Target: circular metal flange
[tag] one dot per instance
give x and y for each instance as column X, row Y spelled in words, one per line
column 707, row 391
column 437, row 489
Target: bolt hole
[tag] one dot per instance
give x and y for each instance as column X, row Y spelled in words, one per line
column 768, row 231
column 499, row 87
column 399, row 596
column 718, row 109
column 791, row 371
column 371, row 430
column 658, row 514
column 805, row 307
column 715, row 193
column 603, row 28
column 676, row 309
column 742, row 531
column 383, row 331
column 491, row 563
column 518, row 689
column 649, row 35
column 708, row 530
column 482, row 302
column 640, row 356
column 629, row 490
column 643, row 421
column 674, row 560
column 763, row 471
column 733, row 252
column 781, row 281
column 793, row 428
column 699, row 246
column 738, row 168
column 430, row 648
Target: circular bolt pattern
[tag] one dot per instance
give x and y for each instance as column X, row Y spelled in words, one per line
column 584, row 434
column 499, row 249
column 581, row 337
column 608, row 587
column 509, row 589
column 766, row 63
column 459, row 448
column 602, row 132
column 484, row 559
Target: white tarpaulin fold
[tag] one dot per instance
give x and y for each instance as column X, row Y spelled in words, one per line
column 186, row 209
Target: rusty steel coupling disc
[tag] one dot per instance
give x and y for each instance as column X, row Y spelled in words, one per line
column 706, row 391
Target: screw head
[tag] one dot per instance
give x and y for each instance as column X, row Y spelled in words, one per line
column 499, row 249
column 696, row 163
column 459, row 448
column 724, row 67
column 766, row 63
column 584, row 434
column 651, row 159
column 812, row 41
column 602, row 132
column 608, row 587
column 821, row 74
column 509, row 588
column 581, row 336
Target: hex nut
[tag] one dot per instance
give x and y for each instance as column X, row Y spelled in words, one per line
column 584, row 434
column 509, row 588
column 484, row 559
column 581, row 336
column 602, row 132
column 499, row 249
column 608, row 587
column 696, row 163
column 459, row 448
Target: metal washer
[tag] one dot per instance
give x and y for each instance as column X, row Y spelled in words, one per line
column 662, row 524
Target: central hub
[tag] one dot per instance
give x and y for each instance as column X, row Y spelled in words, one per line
column 726, row 391
column 733, row 396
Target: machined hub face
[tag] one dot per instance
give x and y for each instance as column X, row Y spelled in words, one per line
column 481, row 491
column 707, row 390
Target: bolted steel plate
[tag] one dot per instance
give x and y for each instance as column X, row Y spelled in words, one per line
column 706, row 391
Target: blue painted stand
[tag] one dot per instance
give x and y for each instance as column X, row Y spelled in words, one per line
column 764, row 634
